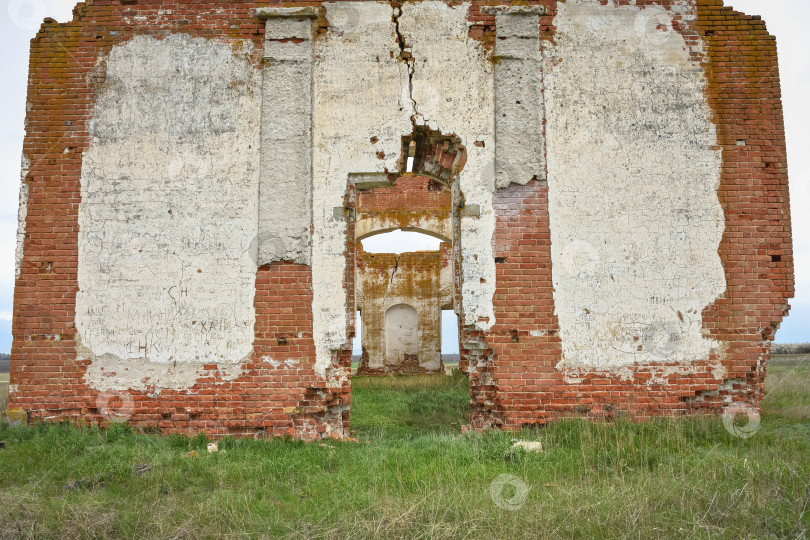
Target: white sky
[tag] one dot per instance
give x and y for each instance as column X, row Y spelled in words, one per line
column 20, row 19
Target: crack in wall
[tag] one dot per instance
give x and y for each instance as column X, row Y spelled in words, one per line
column 391, row 281
column 405, row 57
column 457, row 100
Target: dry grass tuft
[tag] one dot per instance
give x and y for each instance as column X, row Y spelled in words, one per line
column 3, row 394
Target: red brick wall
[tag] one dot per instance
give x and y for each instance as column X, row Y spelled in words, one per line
column 515, row 370
column 417, row 193
column 757, row 250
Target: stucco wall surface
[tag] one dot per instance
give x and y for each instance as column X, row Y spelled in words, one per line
column 364, row 92
column 168, row 212
column 633, row 176
column 453, row 93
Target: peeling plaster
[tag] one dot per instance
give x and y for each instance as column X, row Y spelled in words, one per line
column 633, row 176
column 160, row 160
column 168, row 215
column 22, row 217
column 453, row 87
column 359, row 92
column 402, row 336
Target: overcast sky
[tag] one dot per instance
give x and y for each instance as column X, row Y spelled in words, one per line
column 786, row 19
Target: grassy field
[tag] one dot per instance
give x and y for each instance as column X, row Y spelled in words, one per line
column 3, row 390
column 413, row 475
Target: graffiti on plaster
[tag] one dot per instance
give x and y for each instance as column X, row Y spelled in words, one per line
column 167, row 221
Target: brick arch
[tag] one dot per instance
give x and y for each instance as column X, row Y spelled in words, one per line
column 412, row 203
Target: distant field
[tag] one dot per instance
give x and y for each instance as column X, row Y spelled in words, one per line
column 414, row 475
column 790, row 348
column 790, row 359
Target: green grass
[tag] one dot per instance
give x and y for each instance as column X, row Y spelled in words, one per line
column 404, row 407
column 789, row 377
column 418, row 477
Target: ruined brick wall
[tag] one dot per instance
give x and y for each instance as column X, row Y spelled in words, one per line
column 275, row 390
column 757, row 250
column 422, row 282
column 540, row 248
column 516, row 371
column 412, row 203
column 408, row 193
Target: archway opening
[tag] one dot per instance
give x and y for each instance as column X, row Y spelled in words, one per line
column 405, row 243
column 399, row 241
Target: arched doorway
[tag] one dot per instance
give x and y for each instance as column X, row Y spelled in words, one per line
column 401, row 334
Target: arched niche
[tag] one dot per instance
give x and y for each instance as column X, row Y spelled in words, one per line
column 401, row 333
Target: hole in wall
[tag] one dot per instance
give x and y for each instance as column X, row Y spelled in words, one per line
column 405, row 235
column 400, row 241
column 449, row 337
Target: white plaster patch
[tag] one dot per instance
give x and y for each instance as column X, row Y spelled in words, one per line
column 286, row 176
column 168, row 215
column 22, row 217
column 453, row 92
column 401, row 333
column 633, row 178
column 519, row 111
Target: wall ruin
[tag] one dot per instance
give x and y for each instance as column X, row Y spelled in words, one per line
column 397, row 294
column 193, row 177
column 421, row 281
